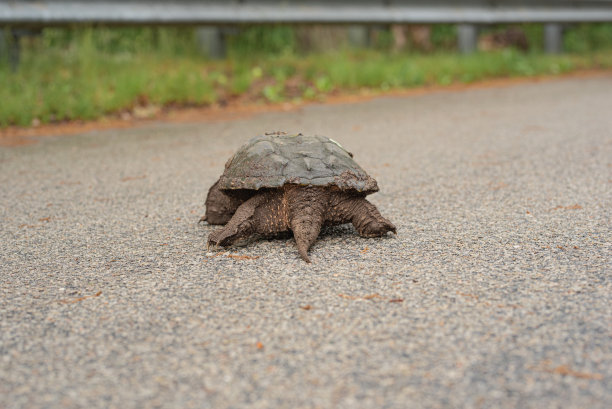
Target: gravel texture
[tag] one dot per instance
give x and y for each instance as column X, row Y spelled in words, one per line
column 496, row 292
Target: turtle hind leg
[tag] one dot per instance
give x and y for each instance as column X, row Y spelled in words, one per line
column 262, row 214
column 370, row 223
column 241, row 225
column 306, row 207
column 364, row 216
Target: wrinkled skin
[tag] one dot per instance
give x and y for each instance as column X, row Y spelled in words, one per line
column 303, row 210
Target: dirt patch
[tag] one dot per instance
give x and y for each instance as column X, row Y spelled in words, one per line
column 566, row 370
column 240, row 108
column 75, row 300
column 571, row 207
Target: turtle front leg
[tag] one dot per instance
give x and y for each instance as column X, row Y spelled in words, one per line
column 220, row 207
column 364, row 216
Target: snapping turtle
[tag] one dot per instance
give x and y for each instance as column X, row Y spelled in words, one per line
column 277, row 183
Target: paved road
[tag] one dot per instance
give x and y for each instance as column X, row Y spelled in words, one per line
column 496, row 292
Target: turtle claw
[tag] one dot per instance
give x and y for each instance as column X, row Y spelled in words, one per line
column 202, row 219
column 223, row 237
column 379, row 228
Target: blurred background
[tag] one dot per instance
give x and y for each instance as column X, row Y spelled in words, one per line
column 71, row 60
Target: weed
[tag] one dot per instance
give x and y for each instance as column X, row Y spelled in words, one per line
column 87, row 73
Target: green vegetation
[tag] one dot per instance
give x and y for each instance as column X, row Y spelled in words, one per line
column 586, row 38
column 70, row 74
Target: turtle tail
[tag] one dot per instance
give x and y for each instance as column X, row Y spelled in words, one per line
column 306, row 215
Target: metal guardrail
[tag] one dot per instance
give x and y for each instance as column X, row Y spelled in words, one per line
column 51, row 12
column 467, row 13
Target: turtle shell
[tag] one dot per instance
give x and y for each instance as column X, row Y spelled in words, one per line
column 273, row 160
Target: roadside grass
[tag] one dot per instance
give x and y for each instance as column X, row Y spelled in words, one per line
column 85, row 83
column 51, row 88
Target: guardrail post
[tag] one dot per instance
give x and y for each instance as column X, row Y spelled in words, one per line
column 358, row 35
column 9, row 47
column 211, row 42
column 553, row 38
column 3, row 46
column 467, row 36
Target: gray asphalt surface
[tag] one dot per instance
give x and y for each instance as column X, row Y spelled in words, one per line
column 496, row 292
